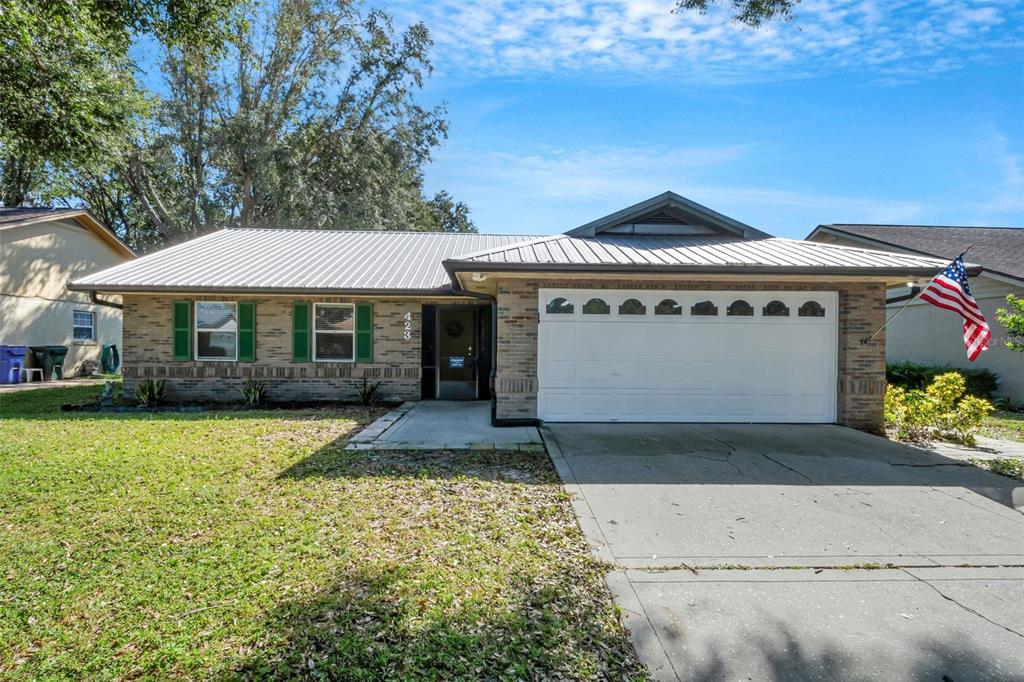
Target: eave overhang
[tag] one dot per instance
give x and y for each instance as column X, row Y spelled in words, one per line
column 453, row 267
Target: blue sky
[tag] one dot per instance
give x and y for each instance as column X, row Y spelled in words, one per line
column 860, row 111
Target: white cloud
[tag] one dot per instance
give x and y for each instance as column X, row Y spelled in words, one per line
column 891, row 41
column 551, row 190
column 1004, row 196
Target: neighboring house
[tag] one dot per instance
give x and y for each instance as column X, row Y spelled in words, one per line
column 664, row 311
column 41, row 250
column 926, row 334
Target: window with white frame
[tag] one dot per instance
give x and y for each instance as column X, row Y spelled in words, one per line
column 216, row 330
column 333, row 337
column 84, row 326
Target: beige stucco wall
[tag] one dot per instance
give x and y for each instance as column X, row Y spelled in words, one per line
column 36, row 308
column 933, row 336
column 861, row 371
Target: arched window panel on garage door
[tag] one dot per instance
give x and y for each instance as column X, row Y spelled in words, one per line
column 596, row 306
column 740, row 308
column 632, row 306
column 668, row 306
column 811, row 309
column 559, row 306
column 704, row 309
column 775, row 308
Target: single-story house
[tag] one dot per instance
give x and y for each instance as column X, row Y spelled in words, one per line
column 41, row 250
column 663, row 311
column 925, row 334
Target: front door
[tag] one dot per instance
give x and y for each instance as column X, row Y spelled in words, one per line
column 457, row 353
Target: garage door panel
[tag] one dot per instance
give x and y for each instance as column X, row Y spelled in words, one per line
column 687, row 368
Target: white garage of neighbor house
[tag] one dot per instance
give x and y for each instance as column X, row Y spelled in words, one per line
column 41, row 250
column 663, row 311
column 928, row 335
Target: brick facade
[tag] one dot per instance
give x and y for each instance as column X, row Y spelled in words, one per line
column 861, row 373
column 396, row 362
column 148, row 353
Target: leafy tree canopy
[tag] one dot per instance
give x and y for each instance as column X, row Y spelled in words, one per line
column 752, row 13
column 67, row 88
column 292, row 113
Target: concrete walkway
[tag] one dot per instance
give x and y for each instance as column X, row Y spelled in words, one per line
column 986, row 448
column 444, row 425
column 60, row 383
column 774, row 552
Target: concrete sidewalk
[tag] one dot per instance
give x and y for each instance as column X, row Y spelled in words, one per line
column 444, row 425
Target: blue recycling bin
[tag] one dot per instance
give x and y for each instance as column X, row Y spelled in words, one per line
column 12, row 360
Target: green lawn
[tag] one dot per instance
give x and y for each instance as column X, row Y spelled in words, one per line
column 252, row 545
column 1005, row 425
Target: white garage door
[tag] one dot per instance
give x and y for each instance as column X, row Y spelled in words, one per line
column 686, row 356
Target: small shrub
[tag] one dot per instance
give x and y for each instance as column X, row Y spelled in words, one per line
column 150, row 393
column 1012, row 317
column 981, row 383
column 1007, row 466
column 941, row 410
column 369, row 394
column 254, row 392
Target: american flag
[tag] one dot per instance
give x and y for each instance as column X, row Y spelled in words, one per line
column 949, row 290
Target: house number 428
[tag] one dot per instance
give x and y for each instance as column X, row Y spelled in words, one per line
column 408, row 326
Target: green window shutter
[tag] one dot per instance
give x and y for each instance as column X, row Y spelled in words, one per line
column 300, row 331
column 182, row 321
column 364, row 332
column 247, row 331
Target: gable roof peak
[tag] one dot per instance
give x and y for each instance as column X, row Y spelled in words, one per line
column 668, row 207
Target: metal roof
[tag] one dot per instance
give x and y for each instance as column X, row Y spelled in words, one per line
column 998, row 249
column 341, row 261
column 696, row 254
column 292, row 260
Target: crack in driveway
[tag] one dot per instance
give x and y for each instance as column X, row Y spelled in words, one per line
column 786, row 466
column 966, row 608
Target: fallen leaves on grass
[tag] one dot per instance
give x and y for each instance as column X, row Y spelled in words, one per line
column 254, row 545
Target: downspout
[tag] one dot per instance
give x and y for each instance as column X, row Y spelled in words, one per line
column 99, row 301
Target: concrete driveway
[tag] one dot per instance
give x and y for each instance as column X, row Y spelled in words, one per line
column 800, row 552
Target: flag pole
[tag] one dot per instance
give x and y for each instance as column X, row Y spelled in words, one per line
column 904, row 307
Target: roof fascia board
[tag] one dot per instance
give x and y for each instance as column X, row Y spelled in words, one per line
column 667, row 199
column 215, row 290
column 86, row 218
column 454, row 267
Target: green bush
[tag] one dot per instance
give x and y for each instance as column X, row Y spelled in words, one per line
column 942, row 409
column 1007, row 466
column 981, row 383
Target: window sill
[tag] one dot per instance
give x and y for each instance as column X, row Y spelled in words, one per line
column 84, row 343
